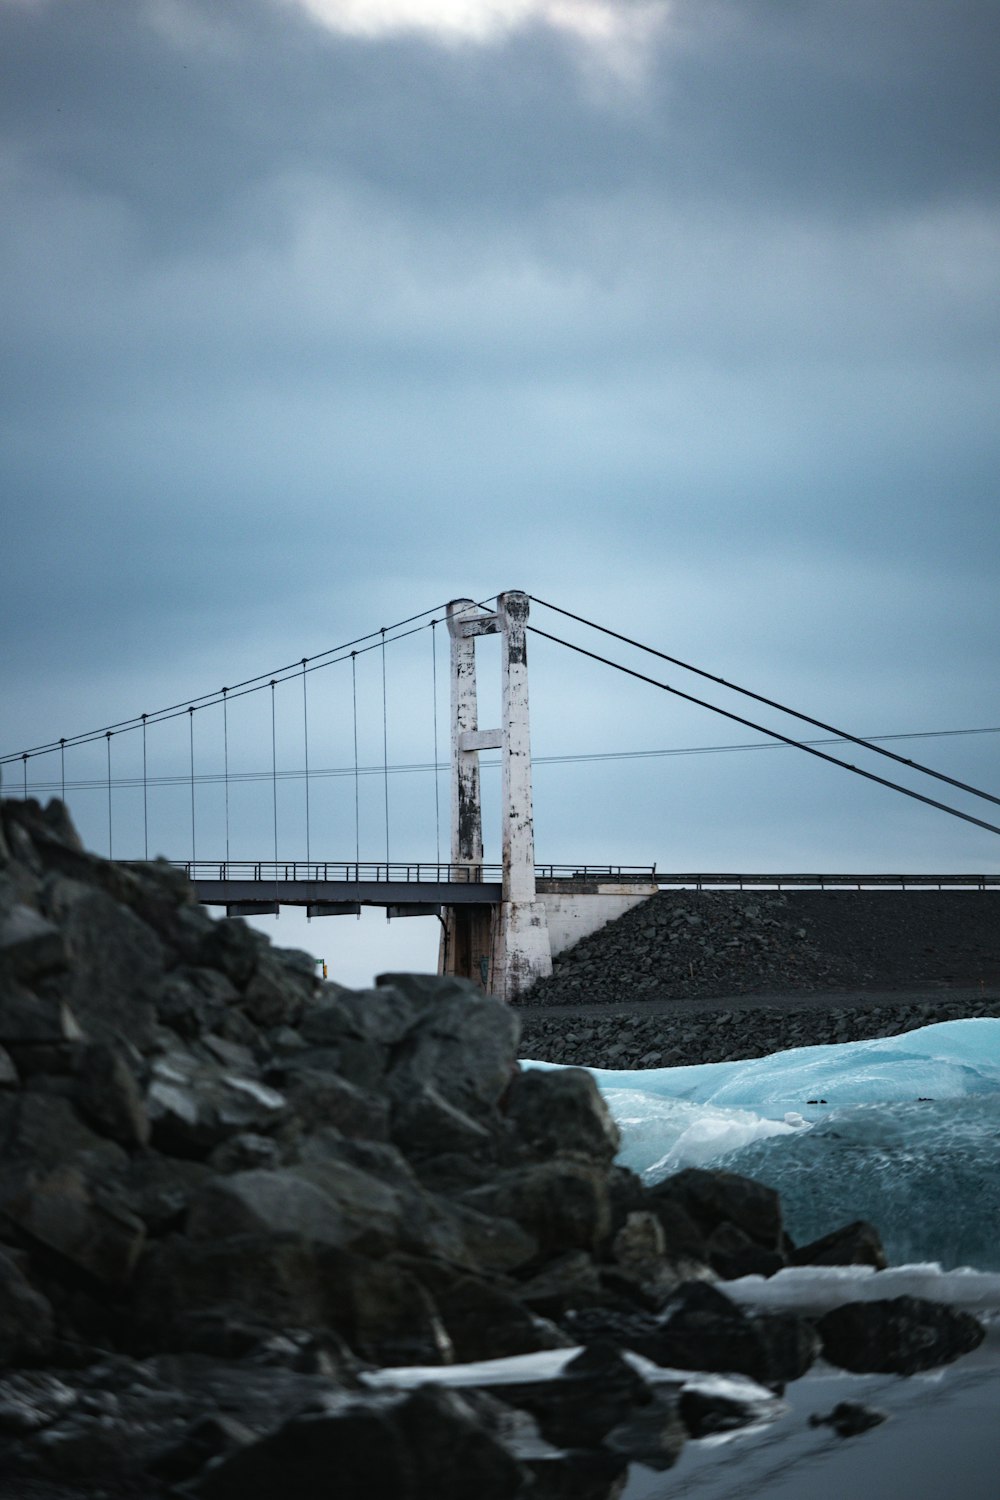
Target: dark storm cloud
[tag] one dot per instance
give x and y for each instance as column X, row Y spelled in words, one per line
column 838, row 105
column 300, row 324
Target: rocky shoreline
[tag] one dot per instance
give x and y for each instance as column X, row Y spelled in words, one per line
column 239, row 1207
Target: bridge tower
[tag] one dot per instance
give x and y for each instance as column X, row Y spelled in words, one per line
column 504, row 948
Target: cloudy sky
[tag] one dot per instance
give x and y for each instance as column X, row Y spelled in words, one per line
column 682, row 314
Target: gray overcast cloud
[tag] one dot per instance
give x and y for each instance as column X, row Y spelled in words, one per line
column 684, row 315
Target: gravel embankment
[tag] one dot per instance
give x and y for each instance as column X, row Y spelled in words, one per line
column 710, row 976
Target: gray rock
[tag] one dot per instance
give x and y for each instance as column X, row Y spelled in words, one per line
column 108, row 1094
column 331, row 1204
column 26, row 1322
column 564, row 1204
column 901, row 1335
column 562, row 1114
column 711, row 1198
column 116, row 962
column 29, row 945
column 462, row 1043
column 192, row 999
column 30, row 1020
column 856, row 1244
column 425, row 1123
column 9, row 1076
column 193, row 1108
column 320, row 1097
column 408, row 1447
column 67, row 1211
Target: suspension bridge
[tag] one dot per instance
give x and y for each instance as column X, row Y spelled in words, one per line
column 502, row 923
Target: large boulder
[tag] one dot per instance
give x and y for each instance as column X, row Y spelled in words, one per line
column 408, row 1446
column 901, row 1335
column 561, row 1113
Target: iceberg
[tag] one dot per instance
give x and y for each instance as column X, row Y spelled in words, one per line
column 900, row 1130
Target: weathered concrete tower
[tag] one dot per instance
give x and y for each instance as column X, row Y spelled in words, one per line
column 505, row 948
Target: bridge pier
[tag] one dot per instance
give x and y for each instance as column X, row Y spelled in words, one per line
column 505, row 948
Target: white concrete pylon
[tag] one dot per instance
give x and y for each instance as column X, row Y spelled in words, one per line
column 518, row 949
column 466, row 806
column 523, row 952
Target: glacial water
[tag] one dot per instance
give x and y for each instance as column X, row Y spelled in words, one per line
column 904, row 1131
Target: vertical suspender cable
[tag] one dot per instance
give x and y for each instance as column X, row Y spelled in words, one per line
column 305, row 737
column 62, row 770
column 191, row 739
column 24, row 767
column 145, row 804
column 225, row 764
column 437, row 783
column 108, row 742
column 274, row 788
column 357, row 793
column 385, row 757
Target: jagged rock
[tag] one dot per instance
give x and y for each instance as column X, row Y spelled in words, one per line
column 710, row 1405
column 857, row 1244
column 731, row 1253
column 29, row 1020
column 464, row 1046
column 209, row 1437
column 187, row 1288
column 320, row 1097
column 159, row 1188
column 901, row 1335
column 596, row 1392
column 30, row 1401
column 26, row 1322
column 194, row 1107
column 653, row 1436
column 572, row 1280
column 640, row 1244
column 701, row 1329
column 68, row 1212
column 425, row 1123
column 331, row 1204
column 107, row 1094
column 246, row 1152
column 407, row 1447
column 193, row 1000
column 561, row 1113
column 484, row 1320
column 115, row 962
column 9, row 1076
column 278, row 992
column 849, row 1418
column 564, row 1204
column 231, row 948
column 712, row 1198
column 29, row 945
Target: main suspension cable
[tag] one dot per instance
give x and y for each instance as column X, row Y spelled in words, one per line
column 773, row 733
column 842, row 734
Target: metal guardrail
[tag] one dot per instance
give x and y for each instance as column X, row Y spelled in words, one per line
column 272, row 872
column 394, row 871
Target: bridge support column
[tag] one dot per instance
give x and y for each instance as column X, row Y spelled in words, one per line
column 523, row 953
column 510, row 951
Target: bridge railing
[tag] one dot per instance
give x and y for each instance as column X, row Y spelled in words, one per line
column 396, row 872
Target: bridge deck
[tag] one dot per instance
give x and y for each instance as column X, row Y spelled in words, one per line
column 263, row 885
